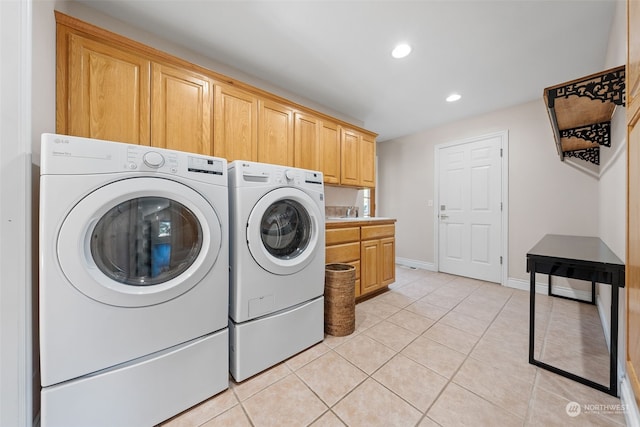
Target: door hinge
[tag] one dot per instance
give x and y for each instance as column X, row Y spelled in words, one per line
column 501, row 152
column 501, row 206
column 500, row 260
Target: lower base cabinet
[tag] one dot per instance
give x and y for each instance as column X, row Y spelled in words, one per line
column 367, row 245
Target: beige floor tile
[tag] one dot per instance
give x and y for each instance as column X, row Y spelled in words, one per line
column 204, row 411
column 411, row 321
column 417, row 289
column 395, row 298
column 365, row 319
column 259, row 382
column 494, row 290
column 595, row 368
column 465, row 323
column 576, row 392
column 413, row 382
column 517, row 337
column 509, row 393
column 372, row 405
column 328, row 419
column 510, row 357
column 424, row 308
column 443, row 301
column 453, row 338
column 434, row 356
column 234, row 417
column 299, row 360
column 366, row 353
column 391, row 335
column 403, row 360
column 289, row 402
column 459, row 407
column 550, row 410
column 378, row 308
column 478, row 309
column 333, row 342
column 428, row 422
column 331, row 377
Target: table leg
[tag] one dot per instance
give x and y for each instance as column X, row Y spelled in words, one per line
column 613, row 338
column 532, row 310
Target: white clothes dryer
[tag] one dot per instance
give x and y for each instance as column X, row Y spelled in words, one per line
column 133, row 281
column 277, row 262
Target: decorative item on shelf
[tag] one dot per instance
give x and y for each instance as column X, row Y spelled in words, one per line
column 580, row 112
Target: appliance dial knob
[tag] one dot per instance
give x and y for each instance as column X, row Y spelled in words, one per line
column 153, row 159
column 290, row 175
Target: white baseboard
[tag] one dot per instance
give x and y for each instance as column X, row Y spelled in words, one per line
column 543, row 288
column 416, row 264
column 628, row 401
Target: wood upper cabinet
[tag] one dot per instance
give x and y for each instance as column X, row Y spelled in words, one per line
column 102, row 90
column 114, row 88
column 367, row 161
column 275, row 133
column 330, row 148
column 235, row 124
column 632, row 272
column 181, row 116
column 349, row 157
column 358, row 153
column 307, row 149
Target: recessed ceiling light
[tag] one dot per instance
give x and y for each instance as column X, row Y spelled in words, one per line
column 454, row 97
column 401, row 50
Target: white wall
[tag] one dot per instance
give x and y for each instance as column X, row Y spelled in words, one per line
column 545, row 194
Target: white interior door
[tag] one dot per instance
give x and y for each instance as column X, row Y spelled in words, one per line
column 470, row 209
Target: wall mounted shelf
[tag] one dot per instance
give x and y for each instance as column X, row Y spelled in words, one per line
column 580, row 112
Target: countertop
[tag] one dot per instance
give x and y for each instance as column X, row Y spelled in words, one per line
column 332, row 222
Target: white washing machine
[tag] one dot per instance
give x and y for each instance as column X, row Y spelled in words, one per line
column 277, row 258
column 133, row 282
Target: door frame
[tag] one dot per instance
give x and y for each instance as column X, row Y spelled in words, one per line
column 504, row 170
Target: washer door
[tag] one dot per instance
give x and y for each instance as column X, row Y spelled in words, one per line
column 283, row 230
column 139, row 242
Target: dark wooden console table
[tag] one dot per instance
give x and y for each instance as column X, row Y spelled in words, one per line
column 582, row 258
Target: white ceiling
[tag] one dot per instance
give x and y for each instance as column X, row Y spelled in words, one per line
column 337, row 53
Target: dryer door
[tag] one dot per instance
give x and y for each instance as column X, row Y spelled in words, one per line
column 139, row 242
column 283, row 230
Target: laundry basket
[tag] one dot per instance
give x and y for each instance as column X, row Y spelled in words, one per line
column 339, row 299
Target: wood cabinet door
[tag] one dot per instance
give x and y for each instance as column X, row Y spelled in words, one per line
column 349, row 161
column 368, row 161
column 181, row 110
column 275, row 133
column 235, row 124
column 388, row 258
column 107, row 92
column 370, row 266
column 632, row 273
column 330, row 152
column 306, row 149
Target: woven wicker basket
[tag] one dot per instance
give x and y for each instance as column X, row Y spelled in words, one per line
column 339, row 299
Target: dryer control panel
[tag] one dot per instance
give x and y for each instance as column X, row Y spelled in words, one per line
column 70, row 155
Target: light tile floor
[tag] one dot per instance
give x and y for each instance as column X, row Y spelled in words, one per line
column 434, row 350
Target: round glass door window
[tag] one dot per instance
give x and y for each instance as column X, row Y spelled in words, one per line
column 146, row 241
column 285, row 229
